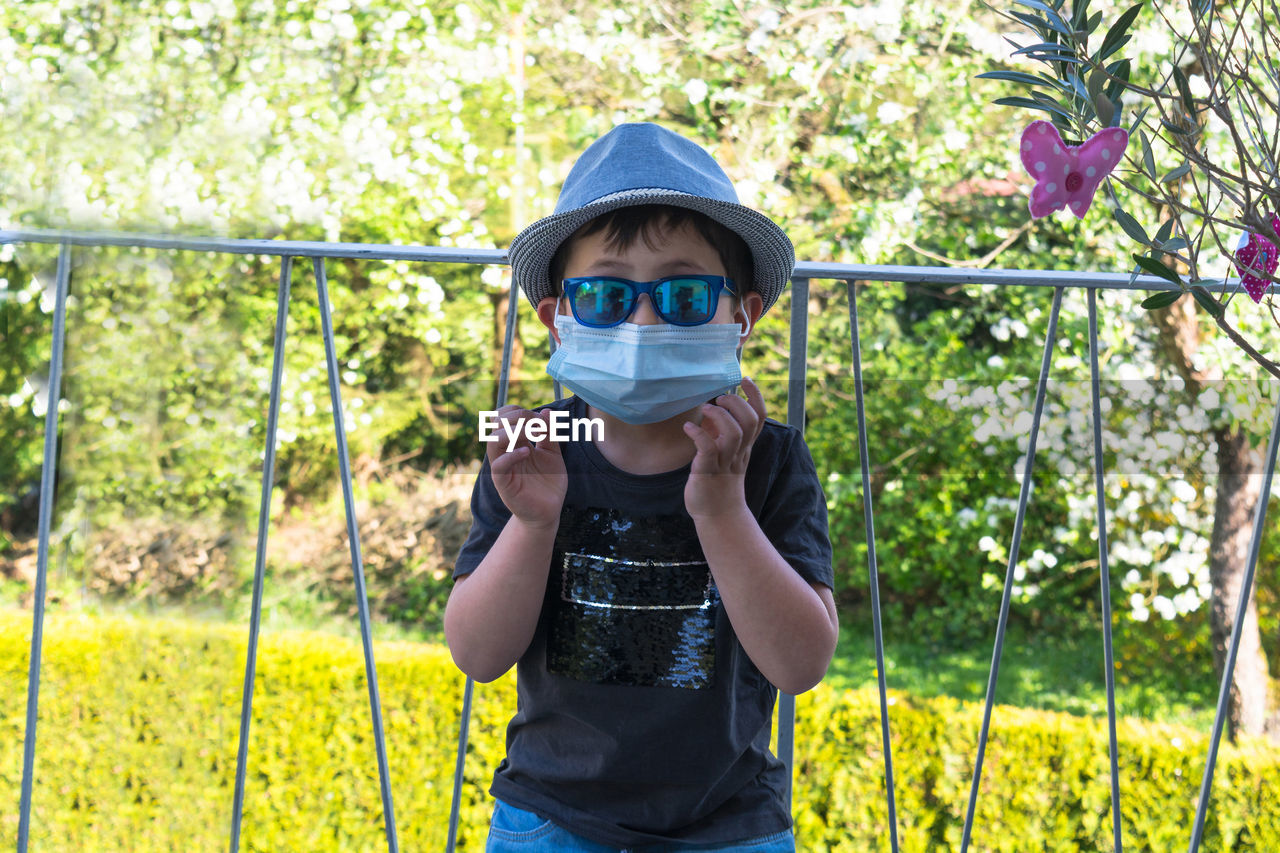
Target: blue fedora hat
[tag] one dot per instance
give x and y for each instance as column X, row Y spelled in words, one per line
column 636, row 164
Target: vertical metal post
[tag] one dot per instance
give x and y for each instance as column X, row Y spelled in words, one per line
column 1104, row 571
column 798, row 350
column 357, row 566
column 1242, row 610
column 259, row 570
column 556, row 389
column 873, row 573
column 1005, row 598
column 47, row 484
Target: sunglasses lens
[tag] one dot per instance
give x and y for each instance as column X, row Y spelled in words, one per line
column 600, row 302
column 684, row 301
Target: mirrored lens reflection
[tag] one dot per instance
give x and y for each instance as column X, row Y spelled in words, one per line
column 602, row 303
column 684, row 301
column 607, row 302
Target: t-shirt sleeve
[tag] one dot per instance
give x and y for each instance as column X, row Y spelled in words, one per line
column 794, row 514
column 488, row 516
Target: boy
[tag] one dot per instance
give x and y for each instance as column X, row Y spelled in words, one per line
column 656, row 585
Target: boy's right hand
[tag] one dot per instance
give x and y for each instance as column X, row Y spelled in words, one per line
column 530, row 478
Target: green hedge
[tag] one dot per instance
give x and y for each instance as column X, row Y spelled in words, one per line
column 139, row 722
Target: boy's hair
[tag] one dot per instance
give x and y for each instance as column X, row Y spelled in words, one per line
column 648, row 222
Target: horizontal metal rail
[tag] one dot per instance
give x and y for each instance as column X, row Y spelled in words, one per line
column 445, row 254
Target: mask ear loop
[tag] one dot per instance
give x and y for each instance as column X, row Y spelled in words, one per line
column 743, row 337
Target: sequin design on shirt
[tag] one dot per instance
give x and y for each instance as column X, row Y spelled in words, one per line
column 632, row 602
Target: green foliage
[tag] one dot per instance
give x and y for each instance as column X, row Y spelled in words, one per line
column 325, row 129
column 944, row 517
column 1045, row 785
column 140, row 719
column 453, row 124
column 203, row 121
column 139, row 727
column 24, row 341
column 1195, row 109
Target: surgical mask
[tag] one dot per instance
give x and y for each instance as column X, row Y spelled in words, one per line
column 645, row 374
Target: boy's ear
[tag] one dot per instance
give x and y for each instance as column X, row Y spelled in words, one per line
column 753, row 306
column 547, row 307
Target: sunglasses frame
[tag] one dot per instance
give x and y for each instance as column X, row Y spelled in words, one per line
column 717, row 283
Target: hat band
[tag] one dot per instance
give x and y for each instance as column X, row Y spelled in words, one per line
column 639, row 192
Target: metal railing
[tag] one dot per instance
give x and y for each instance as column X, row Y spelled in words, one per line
column 803, row 273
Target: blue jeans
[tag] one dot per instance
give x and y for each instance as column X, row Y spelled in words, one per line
column 514, row 830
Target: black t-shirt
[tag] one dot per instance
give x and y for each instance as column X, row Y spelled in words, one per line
column 640, row 717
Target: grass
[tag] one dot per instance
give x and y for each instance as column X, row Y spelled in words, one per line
column 1036, row 671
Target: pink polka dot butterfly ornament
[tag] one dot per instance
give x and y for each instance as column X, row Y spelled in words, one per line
column 1256, row 254
column 1068, row 175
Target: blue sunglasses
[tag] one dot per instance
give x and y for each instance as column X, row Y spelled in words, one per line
column 682, row 300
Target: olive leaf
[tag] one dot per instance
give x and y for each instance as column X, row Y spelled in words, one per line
column 1131, row 226
column 1184, row 90
column 1158, row 269
column 1148, row 159
column 1207, row 302
column 1033, row 105
column 1163, row 299
column 1105, row 109
column 1117, row 36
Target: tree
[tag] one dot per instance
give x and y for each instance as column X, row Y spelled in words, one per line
column 1213, row 113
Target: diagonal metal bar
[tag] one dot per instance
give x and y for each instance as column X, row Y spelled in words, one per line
column 1104, row 571
column 260, row 563
column 357, row 566
column 1003, row 622
column 1242, row 609
column 464, row 728
column 796, row 367
column 47, row 485
column 508, row 341
column 873, row 573
column 468, row 688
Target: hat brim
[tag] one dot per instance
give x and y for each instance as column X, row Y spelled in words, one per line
column 772, row 254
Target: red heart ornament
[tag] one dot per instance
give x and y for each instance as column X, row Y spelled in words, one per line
column 1254, row 255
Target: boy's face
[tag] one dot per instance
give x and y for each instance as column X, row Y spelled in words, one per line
column 679, row 252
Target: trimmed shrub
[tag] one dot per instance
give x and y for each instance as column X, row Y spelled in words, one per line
column 1046, row 781
column 139, row 723
column 139, row 726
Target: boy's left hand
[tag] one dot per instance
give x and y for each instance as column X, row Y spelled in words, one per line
column 729, row 428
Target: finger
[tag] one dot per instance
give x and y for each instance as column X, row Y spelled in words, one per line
column 547, row 450
column 728, row 430
column 510, row 417
column 755, row 398
column 505, row 463
column 544, row 415
column 497, row 447
column 702, row 440
column 742, row 413
column 511, row 413
column 518, row 419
